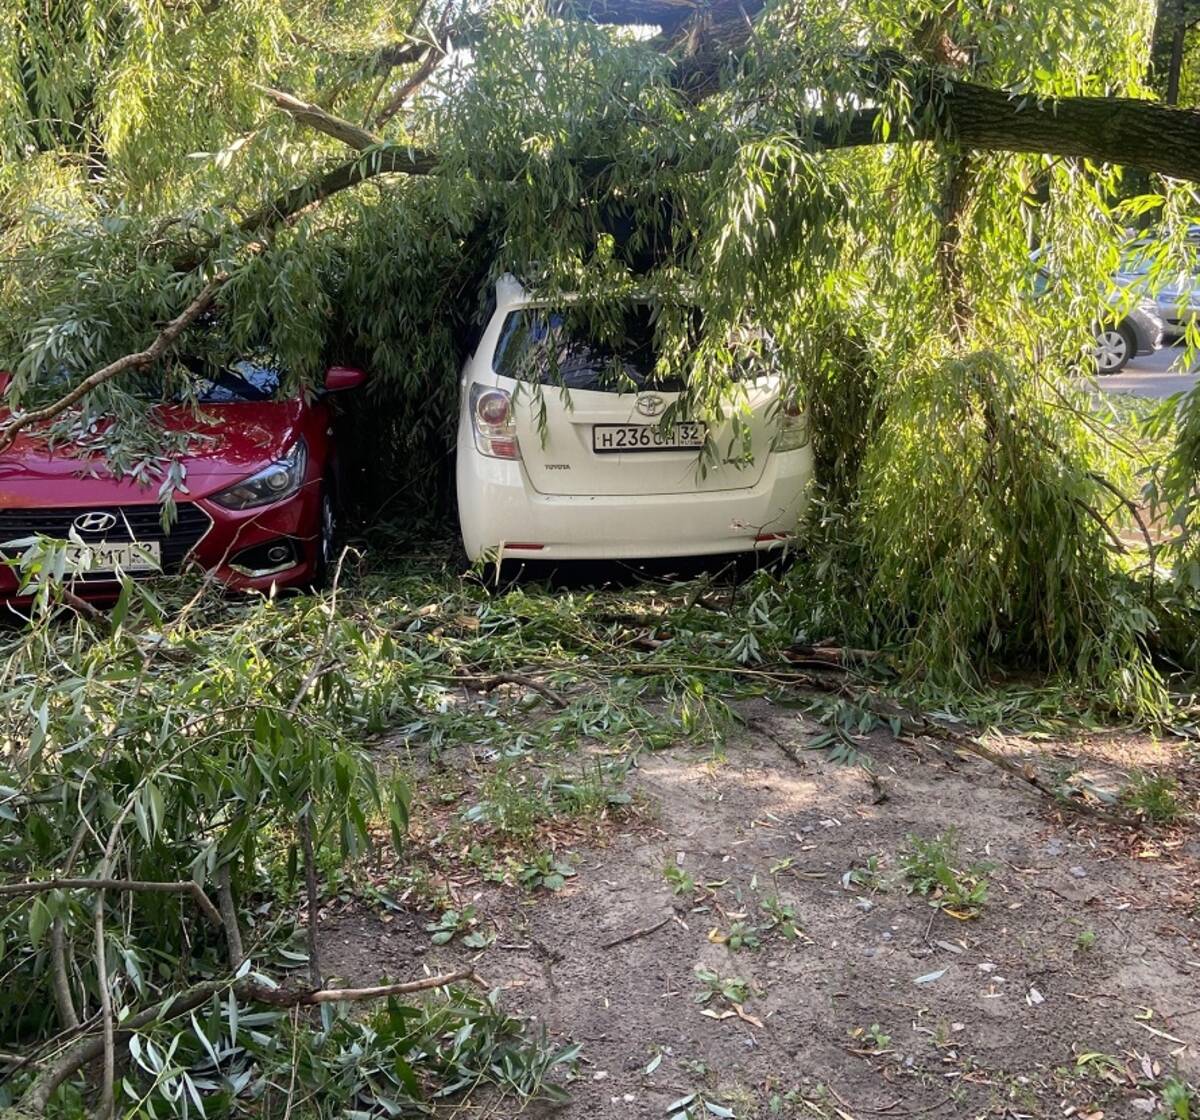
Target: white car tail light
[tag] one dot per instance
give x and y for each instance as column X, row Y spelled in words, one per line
column 493, row 422
column 793, row 428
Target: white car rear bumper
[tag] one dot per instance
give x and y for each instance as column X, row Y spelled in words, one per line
column 498, row 508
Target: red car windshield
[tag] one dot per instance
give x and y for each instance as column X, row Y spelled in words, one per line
column 246, row 380
column 243, row 380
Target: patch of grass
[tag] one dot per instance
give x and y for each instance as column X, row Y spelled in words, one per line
column 868, row 875
column 781, row 918
column 873, row 1037
column 509, row 803
column 1180, row 1101
column 732, row 989
column 742, row 935
column 514, row 801
column 546, row 872
column 1086, row 940
column 929, row 867
column 679, row 880
column 596, row 789
column 462, row 921
column 1154, row 797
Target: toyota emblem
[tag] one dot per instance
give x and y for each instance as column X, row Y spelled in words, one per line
column 94, row 521
column 650, row 405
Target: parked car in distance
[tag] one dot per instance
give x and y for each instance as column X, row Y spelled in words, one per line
column 1139, row 331
column 1119, row 337
column 559, row 460
column 259, row 509
column 1174, row 296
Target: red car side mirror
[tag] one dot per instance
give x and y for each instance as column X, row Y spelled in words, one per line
column 338, row 378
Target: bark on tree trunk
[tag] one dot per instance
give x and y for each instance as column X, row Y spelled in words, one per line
column 1102, row 129
column 956, row 194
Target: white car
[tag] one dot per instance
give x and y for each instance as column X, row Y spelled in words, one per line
column 556, row 461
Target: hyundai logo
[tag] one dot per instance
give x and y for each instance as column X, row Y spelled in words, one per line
column 650, row 405
column 94, row 521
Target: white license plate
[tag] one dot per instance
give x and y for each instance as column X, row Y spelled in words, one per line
column 609, row 439
column 129, row 556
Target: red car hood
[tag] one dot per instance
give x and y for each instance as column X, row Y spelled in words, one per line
column 232, row 441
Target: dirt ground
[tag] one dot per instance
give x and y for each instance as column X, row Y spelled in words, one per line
column 1075, row 992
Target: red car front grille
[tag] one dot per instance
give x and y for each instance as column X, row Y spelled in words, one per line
column 133, row 523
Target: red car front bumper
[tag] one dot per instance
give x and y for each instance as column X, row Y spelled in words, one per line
column 249, row 550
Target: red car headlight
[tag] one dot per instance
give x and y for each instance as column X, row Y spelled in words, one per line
column 272, row 484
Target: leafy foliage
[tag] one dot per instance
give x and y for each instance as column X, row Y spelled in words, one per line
column 963, row 510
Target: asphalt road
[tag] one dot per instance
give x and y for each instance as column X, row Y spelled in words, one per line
column 1152, row 375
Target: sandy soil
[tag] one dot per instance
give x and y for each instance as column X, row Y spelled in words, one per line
column 1088, row 943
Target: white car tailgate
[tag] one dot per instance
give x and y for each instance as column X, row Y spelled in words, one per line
column 585, row 442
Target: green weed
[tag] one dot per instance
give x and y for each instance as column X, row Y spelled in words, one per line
column 928, row 866
column 545, row 872
column 1154, row 797
column 463, row 921
column 742, row 935
column 781, row 918
column 868, row 875
column 873, row 1037
column 732, row 989
column 1178, row 1097
column 679, row 880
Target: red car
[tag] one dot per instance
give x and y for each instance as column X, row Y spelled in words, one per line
column 259, row 507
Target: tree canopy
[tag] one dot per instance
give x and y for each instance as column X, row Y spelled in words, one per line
column 867, row 180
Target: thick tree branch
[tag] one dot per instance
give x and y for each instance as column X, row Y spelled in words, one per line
column 140, row 360
column 229, row 917
column 434, row 54
column 67, row 1017
column 385, row 160
column 409, row 87
column 398, row 54
column 315, row 117
column 312, row 898
column 1102, row 129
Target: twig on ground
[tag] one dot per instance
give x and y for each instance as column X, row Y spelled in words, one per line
column 134, row 885
column 68, row 1019
column 82, row 606
column 490, row 684
column 310, row 888
column 229, row 918
column 282, row 998
column 645, row 931
column 788, row 749
column 1029, row 775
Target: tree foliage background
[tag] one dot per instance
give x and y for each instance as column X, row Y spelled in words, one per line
column 969, row 497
